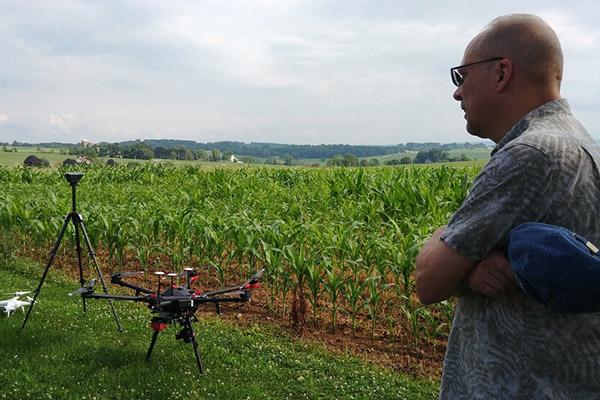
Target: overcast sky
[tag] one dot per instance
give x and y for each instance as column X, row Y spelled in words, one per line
column 310, row 72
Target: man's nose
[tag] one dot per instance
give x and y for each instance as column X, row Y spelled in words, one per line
column 458, row 94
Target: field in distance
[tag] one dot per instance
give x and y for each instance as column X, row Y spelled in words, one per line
column 56, row 156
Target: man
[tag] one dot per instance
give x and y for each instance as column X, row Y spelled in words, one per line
column 545, row 167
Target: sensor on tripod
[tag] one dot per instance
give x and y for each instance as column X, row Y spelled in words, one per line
column 73, row 177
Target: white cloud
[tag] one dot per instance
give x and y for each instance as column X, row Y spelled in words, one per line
column 63, row 122
column 263, row 70
column 573, row 34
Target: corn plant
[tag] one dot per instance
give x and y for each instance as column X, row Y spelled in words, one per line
column 314, row 282
column 339, row 237
column 272, row 258
column 354, row 287
column 375, row 287
column 334, row 286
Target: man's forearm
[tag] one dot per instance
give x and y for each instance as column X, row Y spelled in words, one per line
column 440, row 271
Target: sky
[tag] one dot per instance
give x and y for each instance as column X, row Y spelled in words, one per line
column 373, row 72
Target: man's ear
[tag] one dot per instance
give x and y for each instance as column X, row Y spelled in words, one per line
column 503, row 71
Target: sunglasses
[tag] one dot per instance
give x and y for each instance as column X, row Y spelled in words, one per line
column 458, row 78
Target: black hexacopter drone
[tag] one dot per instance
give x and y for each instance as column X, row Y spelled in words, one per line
column 176, row 304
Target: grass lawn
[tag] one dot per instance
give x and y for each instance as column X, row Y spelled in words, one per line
column 66, row 354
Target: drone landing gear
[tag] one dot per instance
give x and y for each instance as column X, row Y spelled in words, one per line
column 186, row 334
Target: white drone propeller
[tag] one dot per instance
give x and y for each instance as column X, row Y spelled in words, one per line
column 18, row 293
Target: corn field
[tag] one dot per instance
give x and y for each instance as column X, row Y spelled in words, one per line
column 334, row 242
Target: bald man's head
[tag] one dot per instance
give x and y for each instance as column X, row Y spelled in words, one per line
column 529, row 42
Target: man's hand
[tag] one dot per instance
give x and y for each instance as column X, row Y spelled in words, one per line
column 492, row 276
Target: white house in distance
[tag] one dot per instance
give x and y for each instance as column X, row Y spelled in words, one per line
column 235, row 160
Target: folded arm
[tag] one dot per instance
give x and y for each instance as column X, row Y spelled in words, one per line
column 442, row 272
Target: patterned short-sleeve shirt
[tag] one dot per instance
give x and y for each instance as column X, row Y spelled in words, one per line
column 545, row 169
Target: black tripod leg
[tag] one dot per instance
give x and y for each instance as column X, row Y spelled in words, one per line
column 149, row 353
column 188, row 325
column 48, row 264
column 78, row 246
column 79, row 221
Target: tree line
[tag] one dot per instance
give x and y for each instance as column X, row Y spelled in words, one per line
column 297, row 151
column 191, row 150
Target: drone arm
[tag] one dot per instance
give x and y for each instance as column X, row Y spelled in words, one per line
column 216, row 300
column 252, row 283
column 113, row 297
column 117, row 279
column 221, row 291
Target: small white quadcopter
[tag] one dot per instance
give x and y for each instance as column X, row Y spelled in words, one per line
column 15, row 303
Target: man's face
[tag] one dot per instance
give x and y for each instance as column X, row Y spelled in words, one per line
column 476, row 92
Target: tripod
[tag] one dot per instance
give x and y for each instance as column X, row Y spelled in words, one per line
column 187, row 335
column 73, row 178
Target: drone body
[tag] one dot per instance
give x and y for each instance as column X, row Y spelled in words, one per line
column 13, row 304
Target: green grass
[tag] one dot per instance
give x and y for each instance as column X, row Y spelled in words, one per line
column 473, row 154
column 66, row 354
column 54, row 156
column 10, row 159
column 477, row 156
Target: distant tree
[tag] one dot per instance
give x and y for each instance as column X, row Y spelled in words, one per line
column 394, row 161
column 138, row 151
column 33, row 161
column 373, row 162
column 430, row 156
column 348, row 160
column 248, row 160
column 164, row 153
column 351, row 160
column 200, row 155
column 334, row 162
column 226, row 156
column 90, row 152
column 272, row 160
column 405, row 160
column 288, row 160
column 182, row 153
column 364, row 163
column 215, row 155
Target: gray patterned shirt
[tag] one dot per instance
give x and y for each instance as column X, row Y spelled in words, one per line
column 545, row 169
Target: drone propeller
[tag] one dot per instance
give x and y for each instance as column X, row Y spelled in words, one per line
column 18, row 293
column 130, row 273
column 117, row 277
column 254, row 281
column 87, row 288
